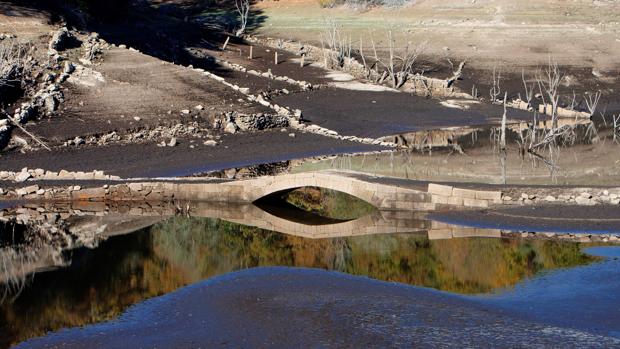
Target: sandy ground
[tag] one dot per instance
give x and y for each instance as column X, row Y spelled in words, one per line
column 486, row 32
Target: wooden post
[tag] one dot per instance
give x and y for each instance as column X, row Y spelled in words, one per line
column 225, row 43
column 251, row 48
column 302, row 60
column 276, row 58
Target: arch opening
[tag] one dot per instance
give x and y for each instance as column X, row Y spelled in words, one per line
column 315, row 205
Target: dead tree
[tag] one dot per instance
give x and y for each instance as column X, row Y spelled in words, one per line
column 243, row 9
column 456, row 75
column 495, row 89
column 502, row 141
column 549, row 84
column 13, row 63
column 616, row 127
column 529, row 89
column 338, row 44
column 399, row 63
column 592, row 102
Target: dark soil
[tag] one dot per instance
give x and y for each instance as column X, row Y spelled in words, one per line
column 376, row 114
column 149, row 160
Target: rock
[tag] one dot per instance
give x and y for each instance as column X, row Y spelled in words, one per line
column 40, row 191
column 506, row 198
column 60, row 40
column 524, row 196
column 210, row 143
column 68, row 68
column 64, row 174
column 185, row 111
column 615, row 201
column 292, row 135
column 27, row 190
column 231, row 127
column 173, row 142
column 582, row 200
column 230, row 173
column 199, row 107
column 550, row 198
column 22, row 176
column 585, row 195
column 137, row 118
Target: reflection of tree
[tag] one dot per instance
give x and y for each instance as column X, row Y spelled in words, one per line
column 124, row 270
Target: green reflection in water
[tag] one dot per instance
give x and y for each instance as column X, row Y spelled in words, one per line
column 328, row 203
column 127, row 269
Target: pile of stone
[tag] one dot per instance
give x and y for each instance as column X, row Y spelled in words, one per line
column 587, row 197
column 237, row 67
column 158, row 134
column 583, row 238
column 234, row 122
column 40, row 174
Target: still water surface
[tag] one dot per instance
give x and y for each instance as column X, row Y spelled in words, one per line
column 99, row 283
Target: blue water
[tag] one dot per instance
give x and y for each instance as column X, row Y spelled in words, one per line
column 586, row 298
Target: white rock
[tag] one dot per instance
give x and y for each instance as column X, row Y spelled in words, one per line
column 185, row 111
column 22, row 176
column 210, row 143
column 173, row 142
column 199, row 107
column 550, row 198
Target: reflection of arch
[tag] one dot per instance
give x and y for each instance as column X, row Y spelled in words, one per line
column 375, row 223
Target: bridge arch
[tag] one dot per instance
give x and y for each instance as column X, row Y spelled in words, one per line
column 264, row 187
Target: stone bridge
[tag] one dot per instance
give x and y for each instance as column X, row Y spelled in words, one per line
column 385, row 193
column 382, row 192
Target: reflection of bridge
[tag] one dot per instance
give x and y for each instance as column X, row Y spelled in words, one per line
column 91, row 221
column 121, row 218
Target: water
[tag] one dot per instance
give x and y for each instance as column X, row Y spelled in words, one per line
column 482, row 162
column 76, row 264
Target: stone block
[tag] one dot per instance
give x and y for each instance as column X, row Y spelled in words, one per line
column 439, row 189
column 89, row 194
column 475, row 203
column 456, row 201
column 464, row 193
column 439, row 199
column 489, row 195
